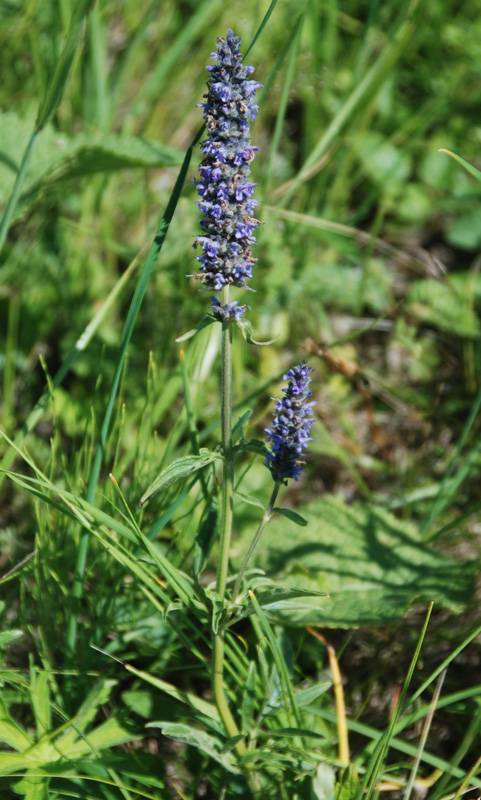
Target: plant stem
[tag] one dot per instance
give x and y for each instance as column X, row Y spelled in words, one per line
column 226, row 434
column 265, row 519
column 226, row 526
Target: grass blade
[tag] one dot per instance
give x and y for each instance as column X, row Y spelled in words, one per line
column 47, row 106
column 362, row 94
column 448, row 488
column 79, row 347
column 139, row 293
column 380, row 751
column 467, row 166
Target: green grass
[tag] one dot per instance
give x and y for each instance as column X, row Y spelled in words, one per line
column 369, row 248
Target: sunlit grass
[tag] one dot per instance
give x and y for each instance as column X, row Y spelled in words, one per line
column 367, row 261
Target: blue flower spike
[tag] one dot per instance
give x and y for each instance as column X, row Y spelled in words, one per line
column 293, row 418
column 224, row 188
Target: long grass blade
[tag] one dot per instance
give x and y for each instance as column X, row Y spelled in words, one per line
column 379, row 755
column 47, row 106
column 448, row 488
column 136, row 302
column 362, row 94
column 80, row 345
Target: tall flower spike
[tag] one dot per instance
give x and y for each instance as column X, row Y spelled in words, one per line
column 226, row 193
column 293, row 418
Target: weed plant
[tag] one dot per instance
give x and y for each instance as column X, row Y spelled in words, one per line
column 208, row 592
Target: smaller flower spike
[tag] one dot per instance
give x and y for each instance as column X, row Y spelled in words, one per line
column 293, row 418
column 225, row 191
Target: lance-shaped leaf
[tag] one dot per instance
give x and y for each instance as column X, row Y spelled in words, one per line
column 467, row 166
column 277, row 598
column 12, row 734
column 292, row 515
column 178, row 469
column 202, row 741
column 203, row 323
column 241, row 421
column 246, row 329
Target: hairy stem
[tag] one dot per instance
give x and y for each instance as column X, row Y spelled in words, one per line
column 265, row 519
column 226, row 433
column 226, row 526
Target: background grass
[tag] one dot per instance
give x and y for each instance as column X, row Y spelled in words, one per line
column 368, row 260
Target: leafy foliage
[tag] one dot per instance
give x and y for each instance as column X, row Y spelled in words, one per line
column 367, row 260
column 371, row 565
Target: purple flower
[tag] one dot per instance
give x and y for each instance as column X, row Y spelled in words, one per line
column 224, row 187
column 227, row 312
column 293, row 418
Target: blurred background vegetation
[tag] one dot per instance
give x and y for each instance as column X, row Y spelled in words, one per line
column 368, row 264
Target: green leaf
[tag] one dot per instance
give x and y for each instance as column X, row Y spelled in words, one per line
column 241, row 421
column 191, row 699
column 58, row 80
column 218, row 611
column 91, row 153
column 142, row 702
column 98, row 696
column 386, row 165
column 203, row 323
column 40, row 700
column 270, row 597
column 34, row 787
column 205, row 537
column 178, row 469
column 11, row 733
column 249, row 698
column 9, row 636
column 348, row 786
column 256, row 446
column 75, row 507
column 11, row 762
column 372, row 565
column 58, row 157
column 279, row 733
column 47, row 105
column 202, row 741
column 111, row 733
column 246, row 329
column 182, row 583
column 290, row 514
column 134, row 307
column 464, row 231
column 304, row 697
column 467, row 166
column 251, row 501
column 276, row 598
column 439, row 304
column 268, row 758
column 323, row 783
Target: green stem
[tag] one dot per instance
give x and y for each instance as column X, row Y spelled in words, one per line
column 265, row 519
column 12, row 203
column 226, row 434
column 226, row 526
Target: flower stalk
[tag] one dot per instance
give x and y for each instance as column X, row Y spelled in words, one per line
column 265, row 519
column 227, row 514
column 226, row 200
column 288, row 437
